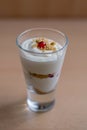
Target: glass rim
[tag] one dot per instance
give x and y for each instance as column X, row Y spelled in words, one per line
column 50, row 29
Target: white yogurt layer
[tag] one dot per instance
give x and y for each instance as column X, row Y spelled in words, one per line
column 41, row 70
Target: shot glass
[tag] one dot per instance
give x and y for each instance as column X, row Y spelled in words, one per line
column 42, row 52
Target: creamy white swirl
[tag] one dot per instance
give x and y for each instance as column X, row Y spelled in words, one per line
column 31, row 44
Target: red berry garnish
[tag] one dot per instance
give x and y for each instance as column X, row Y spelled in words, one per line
column 51, row 75
column 41, row 45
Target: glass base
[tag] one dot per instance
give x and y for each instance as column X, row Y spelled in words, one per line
column 40, row 107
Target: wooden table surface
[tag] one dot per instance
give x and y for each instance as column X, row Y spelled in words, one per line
column 70, row 110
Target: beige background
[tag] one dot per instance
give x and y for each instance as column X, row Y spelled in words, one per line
column 43, row 8
column 70, row 110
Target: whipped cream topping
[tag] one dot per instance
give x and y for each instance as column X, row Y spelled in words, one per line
column 46, row 55
column 41, row 45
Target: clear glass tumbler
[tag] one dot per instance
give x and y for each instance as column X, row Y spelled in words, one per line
column 41, row 68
